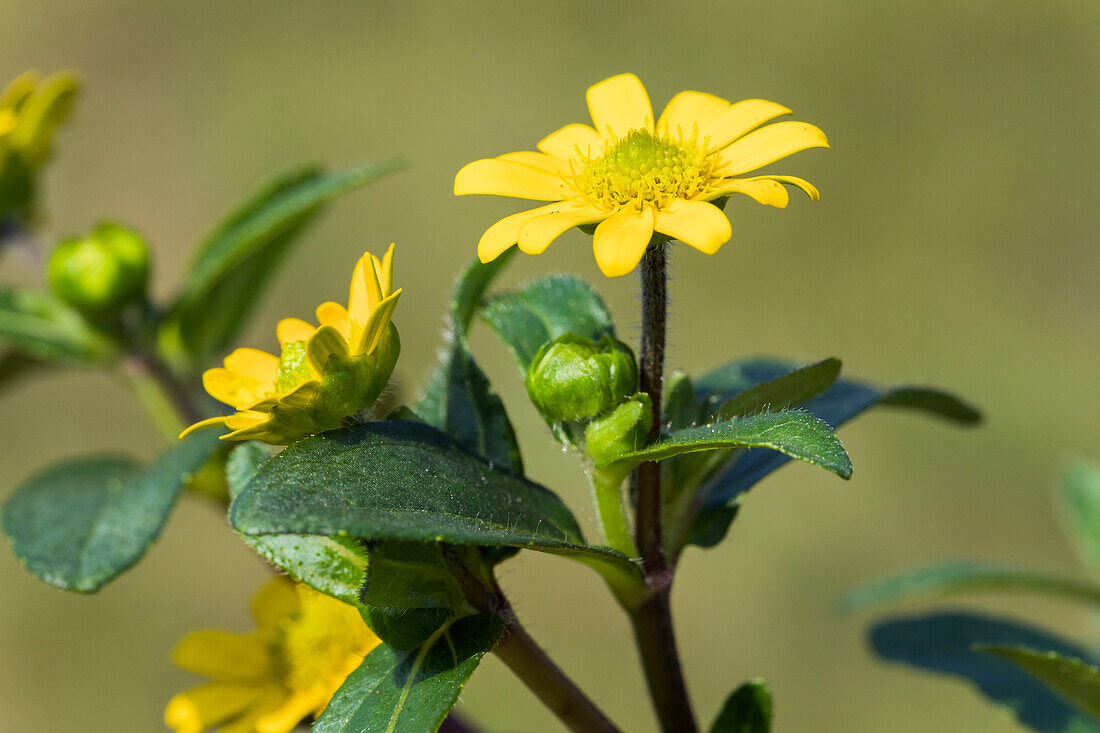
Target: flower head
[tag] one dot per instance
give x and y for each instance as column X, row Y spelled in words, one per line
column 323, row 375
column 267, row 681
column 633, row 176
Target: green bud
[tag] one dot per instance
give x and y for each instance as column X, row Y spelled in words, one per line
column 576, row 378
column 621, row 431
column 102, row 271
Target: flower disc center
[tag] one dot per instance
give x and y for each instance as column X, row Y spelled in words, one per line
column 644, row 168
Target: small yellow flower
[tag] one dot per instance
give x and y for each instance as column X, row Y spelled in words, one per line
column 31, row 109
column 269, row 680
column 634, row 177
column 323, row 375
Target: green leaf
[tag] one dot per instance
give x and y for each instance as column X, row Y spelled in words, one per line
column 335, row 566
column 784, row 392
column 748, row 709
column 411, row 691
column 544, row 310
column 80, row 524
column 410, row 575
column 934, row 402
column 1071, row 678
column 794, row 433
column 458, row 398
column 938, row 581
column 39, row 325
column 239, row 257
column 1081, row 510
column 945, row 643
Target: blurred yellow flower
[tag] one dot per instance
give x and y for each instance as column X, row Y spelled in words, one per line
column 269, row 680
column 31, row 109
column 323, row 375
column 634, row 177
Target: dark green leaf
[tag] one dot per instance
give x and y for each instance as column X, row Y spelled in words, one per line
column 932, row 401
column 965, row 577
column 944, row 643
column 544, row 310
column 1071, row 678
column 335, row 566
column 238, row 258
column 1081, row 510
column 794, row 433
column 748, row 709
column 80, row 524
column 39, row 325
column 410, row 575
column 405, row 628
column 790, row 390
column 411, row 691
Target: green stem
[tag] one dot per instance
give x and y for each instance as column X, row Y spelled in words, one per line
column 607, row 495
column 155, row 402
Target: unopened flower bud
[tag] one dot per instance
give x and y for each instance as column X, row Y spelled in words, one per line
column 102, row 271
column 576, row 378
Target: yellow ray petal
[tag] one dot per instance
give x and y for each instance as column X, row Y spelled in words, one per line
column 504, row 233
column 292, row 330
column 385, row 272
column 537, row 234
column 247, row 418
column 621, row 240
column 509, row 178
column 234, row 388
column 325, row 343
column 335, row 315
column 224, row 656
column 258, row 365
column 17, row 90
column 208, row 705
column 698, row 223
column 273, row 698
column 542, row 161
column 805, row 186
column 738, row 119
column 762, row 190
column 376, row 326
column 618, row 105
column 572, row 142
column 202, row 425
column 768, row 145
column 690, row 110
column 286, row 717
column 359, row 305
column 275, row 601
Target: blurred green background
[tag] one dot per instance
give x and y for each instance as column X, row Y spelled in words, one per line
column 955, row 245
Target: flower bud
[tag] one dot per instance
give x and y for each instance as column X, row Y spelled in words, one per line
column 621, row 431
column 102, row 271
column 576, row 378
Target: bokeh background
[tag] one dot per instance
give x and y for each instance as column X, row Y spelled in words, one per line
column 955, row 245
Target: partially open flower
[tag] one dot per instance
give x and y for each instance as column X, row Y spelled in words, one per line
column 633, row 175
column 323, row 376
column 269, row 680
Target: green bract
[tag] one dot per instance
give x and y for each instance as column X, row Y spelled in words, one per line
column 574, row 378
column 102, row 271
column 623, row 430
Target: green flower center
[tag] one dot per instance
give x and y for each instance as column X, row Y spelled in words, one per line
column 643, row 168
column 294, row 367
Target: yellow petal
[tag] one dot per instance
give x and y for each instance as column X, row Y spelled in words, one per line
column 359, row 305
column 202, row 425
column 7, row 121
column 292, row 330
column 805, row 186
column 762, row 190
column 537, row 234
column 621, row 240
column 698, row 223
column 234, row 388
column 246, row 419
column 738, row 119
column 325, row 343
column 572, row 142
column 17, row 90
column 384, row 271
column 688, row 111
column 335, row 315
column 224, row 656
column 508, row 178
column 502, row 235
column 542, row 161
column 618, row 105
column 273, row 698
column 376, row 326
column 208, row 705
column 286, row 717
column 275, row 601
column 258, row 365
column 768, row 145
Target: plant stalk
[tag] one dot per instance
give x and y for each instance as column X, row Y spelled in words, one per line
column 652, row 619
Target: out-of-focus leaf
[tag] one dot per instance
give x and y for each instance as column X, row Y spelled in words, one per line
column 1071, row 678
column 80, row 524
column 783, row 392
column 748, row 709
column 36, row 323
column 945, row 643
column 1081, row 510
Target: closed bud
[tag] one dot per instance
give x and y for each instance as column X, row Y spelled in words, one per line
column 102, row 271
column 621, row 431
column 574, row 378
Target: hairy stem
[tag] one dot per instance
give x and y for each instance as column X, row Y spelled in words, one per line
column 652, row 619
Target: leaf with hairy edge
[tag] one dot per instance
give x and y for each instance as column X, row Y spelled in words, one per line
column 1071, row 678
column 1081, row 510
column 544, row 310
column 794, row 433
column 938, row 581
column 411, row 691
column 843, row 401
column 946, row 643
column 39, row 325
column 748, row 709
column 335, row 566
column 80, row 524
column 238, row 258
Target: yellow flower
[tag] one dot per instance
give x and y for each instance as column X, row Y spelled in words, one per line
column 633, row 177
column 30, row 110
column 269, row 680
column 323, row 375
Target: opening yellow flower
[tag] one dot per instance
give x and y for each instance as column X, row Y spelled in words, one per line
column 31, row 109
column 269, row 680
column 323, row 376
column 633, row 177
